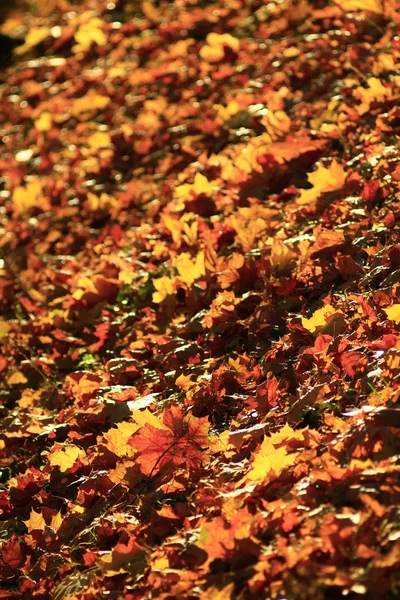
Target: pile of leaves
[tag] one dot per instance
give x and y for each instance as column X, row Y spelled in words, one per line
column 200, row 300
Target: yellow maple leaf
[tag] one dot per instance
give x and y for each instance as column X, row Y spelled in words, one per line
column 35, row 36
column 227, row 112
column 189, row 269
column 201, row 185
column 281, row 255
column 102, row 202
column 268, row 458
column 100, row 139
column 116, row 439
column 276, row 123
column 146, row 417
column 4, row 328
column 184, row 382
column 65, row 456
column 375, row 92
column 56, row 521
column 84, row 285
column 150, row 11
column 90, row 103
column 393, row 313
column 286, row 433
column 44, row 122
column 16, row 378
column 164, row 287
column 374, row 6
column 26, row 197
column 319, row 318
column 35, row 522
column 324, row 179
column 89, row 33
column 247, row 160
column 213, row 50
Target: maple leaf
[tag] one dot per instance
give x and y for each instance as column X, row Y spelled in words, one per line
column 65, row 456
column 100, row 139
column 393, row 313
column 375, row 92
column 44, row 122
column 200, row 185
column 270, row 460
column 116, row 438
column 35, row 522
column 56, row 521
column 26, row 197
column 150, row 11
column 102, row 202
column 88, row 104
column 281, row 255
column 35, row 36
column 182, row 441
column 188, row 269
column 12, row 554
column 374, row 6
column 216, row 539
column 143, row 417
column 213, row 50
column 127, row 549
column 16, row 378
column 4, row 328
column 324, row 179
column 165, row 286
column 89, row 33
column 319, row 318
column 276, row 123
column 156, row 448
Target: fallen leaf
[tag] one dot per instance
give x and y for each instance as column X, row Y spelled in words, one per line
column 324, row 179
column 27, row 197
column 4, row 328
column 65, row 456
column 319, row 318
column 393, row 313
column 35, row 522
column 270, row 461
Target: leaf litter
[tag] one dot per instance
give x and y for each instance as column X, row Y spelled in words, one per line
column 200, row 292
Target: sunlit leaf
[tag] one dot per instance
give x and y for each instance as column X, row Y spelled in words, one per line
column 27, row 197
column 35, row 36
column 374, row 6
column 190, row 269
column 201, row 185
column 4, row 328
column 319, row 318
column 164, row 287
column 16, row 378
column 324, row 179
column 393, row 313
column 35, row 522
column 65, row 456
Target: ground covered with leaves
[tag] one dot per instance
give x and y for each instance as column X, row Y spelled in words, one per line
column 200, row 300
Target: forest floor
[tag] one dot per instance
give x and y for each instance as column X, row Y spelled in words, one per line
column 200, row 301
